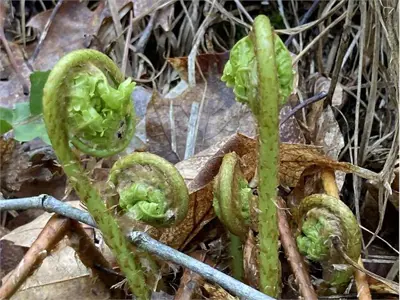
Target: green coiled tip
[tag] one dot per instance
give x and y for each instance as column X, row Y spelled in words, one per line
column 150, row 189
column 240, row 72
column 100, row 117
column 322, row 217
column 232, row 196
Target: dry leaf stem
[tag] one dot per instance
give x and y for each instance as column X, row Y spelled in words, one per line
column 330, row 187
column 54, row 231
column 296, row 261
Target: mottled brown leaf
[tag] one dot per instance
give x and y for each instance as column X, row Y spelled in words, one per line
column 27, row 169
column 192, row 281
column 15, row 165
column 168, row 120
column 250, row 263
column 62, row 274
column 296, row 158
column 71, row 29
column 198, row 172
column 290, row 131
column 11, row 91
column 217, row 293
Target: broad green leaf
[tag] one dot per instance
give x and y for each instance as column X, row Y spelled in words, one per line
column 6, row 114
column 21, row 112
column 4, row 126
column 38, row 80
column 29, row 131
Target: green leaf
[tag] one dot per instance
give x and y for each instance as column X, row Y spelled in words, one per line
column 38, row 80
column 6, row 114
column 29, row 131
column 4, row 126
column 240, row 72
column 21, row 112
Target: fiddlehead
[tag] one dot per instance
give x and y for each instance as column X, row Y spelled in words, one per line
column 85, row 101
column 322, row 217
column 232, row 196
column 260, row 71
column 150, row 189
column 232, row 202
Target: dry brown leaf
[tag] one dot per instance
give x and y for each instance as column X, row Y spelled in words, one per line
column 217, row 292
column 198, row 173
column 11, row 91
column 168, row 120
column 295, row 159
column 322, row 84
column 15, row 164
column 290, row 131
column 71, row 29
column 10, row 256
column 200, row 170
column 191, row 281
column 61, row 274
column 27, row 170
column 250, row 264
column 220, row 114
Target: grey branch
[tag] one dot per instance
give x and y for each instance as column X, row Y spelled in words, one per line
column 142, row 240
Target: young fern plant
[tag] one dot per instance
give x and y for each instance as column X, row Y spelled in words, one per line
column 260, row 72
column 232, row 203
column 322, row 217
column 87, row 105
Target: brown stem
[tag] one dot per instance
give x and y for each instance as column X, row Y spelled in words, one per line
column 190, row 280
column 4, row 41
column 292, row 253
column 330, row 187
column 89, row 254
column 52, row 233
column 363, row 291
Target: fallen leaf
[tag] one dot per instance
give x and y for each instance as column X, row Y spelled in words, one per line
column 11, row 91
column 211, row 106
column 10, row 256
column 250, row 263
column 290, row 131
column 14, row 165
column 217, row 292
column 171, row 121
column 24, row 165
column 198, row 172
column 61, row 274
column 191, row 281
column 70, row 30
column 322, row 84
column 296, row 158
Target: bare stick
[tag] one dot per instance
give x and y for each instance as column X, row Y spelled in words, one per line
column 292, row 253
column 53, row 205
column 52, row 233
column 145, row 242
column 50, row 204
